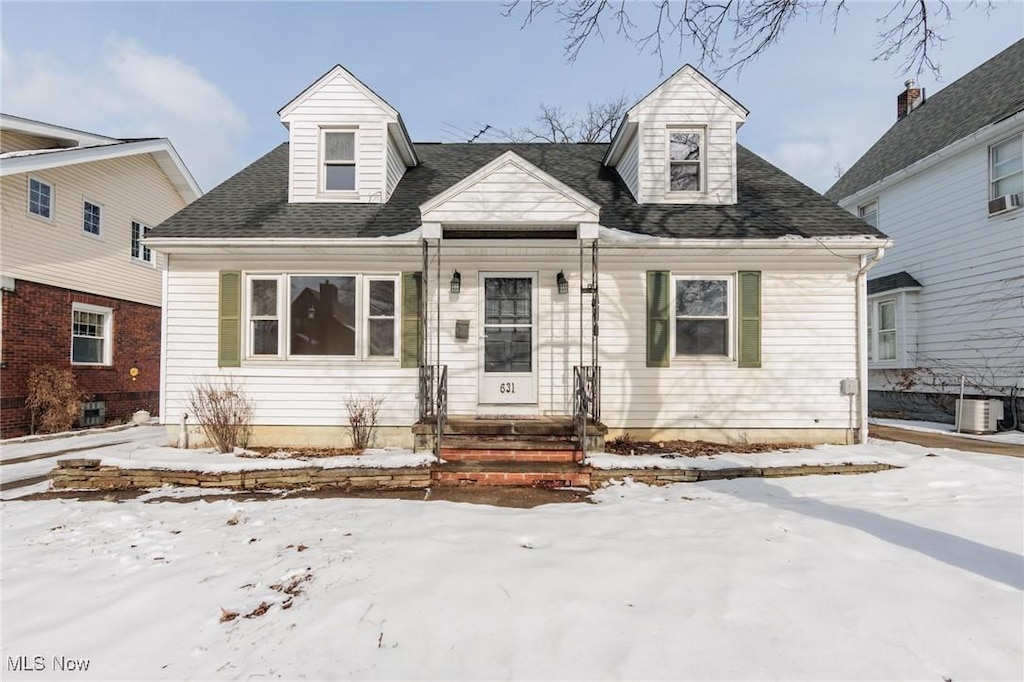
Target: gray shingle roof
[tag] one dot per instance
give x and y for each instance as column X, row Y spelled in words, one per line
column 899, row 280
column 254, row 202
column 988, row 94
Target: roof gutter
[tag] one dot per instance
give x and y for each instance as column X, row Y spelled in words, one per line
column 866, row 263
column 991, row 131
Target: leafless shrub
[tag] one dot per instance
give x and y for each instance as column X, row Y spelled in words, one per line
column 362, row 419
column 54, row 398
column 224, row 411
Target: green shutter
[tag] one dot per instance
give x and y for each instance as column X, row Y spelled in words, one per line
column 412, row 294
column 229, row 336
column 657, row 318
column 750, row 319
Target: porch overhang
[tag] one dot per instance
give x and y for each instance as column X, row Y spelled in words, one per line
column 510, row 198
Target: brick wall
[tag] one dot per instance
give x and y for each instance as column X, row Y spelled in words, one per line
column 37, row 330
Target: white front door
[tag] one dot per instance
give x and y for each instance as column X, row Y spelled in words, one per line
column 508, row 348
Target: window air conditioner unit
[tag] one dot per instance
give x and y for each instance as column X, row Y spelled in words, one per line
column 979, row 416
column 1007, row 202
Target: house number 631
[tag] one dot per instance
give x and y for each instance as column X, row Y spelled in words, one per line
column 507, row 387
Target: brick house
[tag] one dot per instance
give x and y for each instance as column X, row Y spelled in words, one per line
column 80, row 288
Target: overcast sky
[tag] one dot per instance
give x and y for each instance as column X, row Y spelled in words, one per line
column 211, row 76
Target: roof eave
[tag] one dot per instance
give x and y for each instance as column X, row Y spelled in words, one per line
column 980, row 136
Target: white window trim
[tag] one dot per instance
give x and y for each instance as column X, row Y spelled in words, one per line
column 28, row 198
column 321, row 174
column 730, row 317
column 702, row 163
column 142, row 247
column 108, row 339
column 249, row 318
column 395, row 316
column 904, row 332
column 992, row 180
column 866, row 209
column 284, row 355
column 99, row 235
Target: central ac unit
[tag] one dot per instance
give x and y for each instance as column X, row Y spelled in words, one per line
column 1007, row 202
column 979, row 416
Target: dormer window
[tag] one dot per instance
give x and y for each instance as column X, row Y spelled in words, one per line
column 685, row 160
column 339, row 159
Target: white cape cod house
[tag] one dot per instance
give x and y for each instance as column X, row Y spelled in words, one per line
column 670, row 284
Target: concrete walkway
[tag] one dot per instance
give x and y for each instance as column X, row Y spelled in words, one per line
column 943, row 440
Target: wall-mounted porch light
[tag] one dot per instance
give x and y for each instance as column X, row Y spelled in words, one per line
column 455, row 286
column 563, row 283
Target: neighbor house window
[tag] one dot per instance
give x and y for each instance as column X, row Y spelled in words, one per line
column 882, row 332
column 264, row 317
column 702, row 310
column 40, row 198
column 91, row 218
column 90, row 334
column 1006, row 172
column 139, row 251
column 339, row 151
column 869, row 213
column 334, row 315
column 684, row 160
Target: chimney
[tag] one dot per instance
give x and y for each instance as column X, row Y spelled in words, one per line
column 908, row 100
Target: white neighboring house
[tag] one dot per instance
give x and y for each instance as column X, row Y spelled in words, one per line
column 81, row 290
column 946, row 183
column 668, row 284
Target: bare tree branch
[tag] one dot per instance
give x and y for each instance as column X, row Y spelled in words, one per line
column 910, row 30
column 553, row 124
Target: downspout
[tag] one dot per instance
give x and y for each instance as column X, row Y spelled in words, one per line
column 866, row 263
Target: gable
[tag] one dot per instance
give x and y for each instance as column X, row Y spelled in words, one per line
column 690, row 86
column 510, row 189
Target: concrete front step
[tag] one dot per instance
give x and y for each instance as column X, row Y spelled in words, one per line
column 522, row 454
column 508, row 443
column 465, row 425
column 533, row 474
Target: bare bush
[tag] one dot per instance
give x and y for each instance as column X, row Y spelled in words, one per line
column 362, row 419
column 54, row 398
column 224, row 411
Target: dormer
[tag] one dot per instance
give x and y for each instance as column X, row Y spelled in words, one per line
column 677, row 145
column 346, row 144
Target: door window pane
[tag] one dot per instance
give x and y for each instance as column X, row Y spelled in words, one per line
column 508, row 349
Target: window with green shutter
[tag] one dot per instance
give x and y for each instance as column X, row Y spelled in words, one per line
column 749, row 319
column 412, row 297
column 657, row 318
column 229, row 330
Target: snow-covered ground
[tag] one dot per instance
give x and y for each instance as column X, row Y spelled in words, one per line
column 1007, row 437
column 909, row 574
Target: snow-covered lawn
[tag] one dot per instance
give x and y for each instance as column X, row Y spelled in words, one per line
column 910, row 574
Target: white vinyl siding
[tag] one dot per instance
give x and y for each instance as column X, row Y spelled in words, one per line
column 131, row 188
column 687, row 103
column 968, row 313
column 337, row 103
column 809, row 342
column 396, row 167
column 629, row 166
column 510, row 195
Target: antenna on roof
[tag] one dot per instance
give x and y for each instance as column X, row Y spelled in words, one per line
column 480, row 132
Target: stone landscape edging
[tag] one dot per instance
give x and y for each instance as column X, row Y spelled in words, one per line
column 92, row 474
